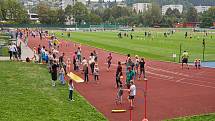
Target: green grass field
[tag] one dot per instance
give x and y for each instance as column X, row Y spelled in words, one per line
column 155, row 47
column 26, row 94
column 4, row 40
column 207, row 117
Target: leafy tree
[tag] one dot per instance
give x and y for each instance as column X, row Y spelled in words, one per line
column 94, row 19
column 156, row 13
column 107, row 14
column 61, row 16
column 80, row 12
column 208, row 17
column 169, row 12
column 176, row 13
column 12, row 10
column 68, row 13
column 42, row 11
column 192, row 15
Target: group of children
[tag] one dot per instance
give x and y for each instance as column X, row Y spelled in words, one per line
column 83, row 64
column 197, row 63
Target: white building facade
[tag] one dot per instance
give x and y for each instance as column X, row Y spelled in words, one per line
column 141, row 7
column 166, row 7
column 201, row 9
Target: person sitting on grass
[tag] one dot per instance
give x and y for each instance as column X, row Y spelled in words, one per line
column 71, row 88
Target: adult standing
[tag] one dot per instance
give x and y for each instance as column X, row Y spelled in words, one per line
column 74, row 56
column 19, row 51
column 14, row 51
column 92, row 62
column 118, row 74
column 95, row 55
column 61, row 59
column 185, row 57
column 142, row 68
column 10, row 50
column 79, row 54
column 39, row 53
column 129, row 76
column 54, row 68
column 132, row 93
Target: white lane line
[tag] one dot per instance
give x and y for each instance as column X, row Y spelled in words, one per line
column 185, row 75
column 160, row 75
column 176, row 73
column 201, row 85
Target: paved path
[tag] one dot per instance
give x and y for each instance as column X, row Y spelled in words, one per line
column 4, row 58
column 26, row 52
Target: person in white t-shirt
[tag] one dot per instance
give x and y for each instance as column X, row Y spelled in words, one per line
column 132, row 93
column 10, row 51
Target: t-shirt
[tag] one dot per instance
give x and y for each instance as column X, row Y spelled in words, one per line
column 84, row 62
column 132, row 90
column 61, row 59
column 54, row 68
column 78, row 52
column 185, row 55
column 129, row 76
column 109, row 58
column 39, row 50
column 71, row 86
column 142, row 64
column 85, row 68
column 92, row 59
column 96, row 71
column 14, row 49
column 119, row 71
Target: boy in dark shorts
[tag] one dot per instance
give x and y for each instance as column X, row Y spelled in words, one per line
column 185, row 59
column 142, row 68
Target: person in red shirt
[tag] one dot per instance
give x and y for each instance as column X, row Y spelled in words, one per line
column 109, row 58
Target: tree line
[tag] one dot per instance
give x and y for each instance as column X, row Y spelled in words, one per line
column 11, row 10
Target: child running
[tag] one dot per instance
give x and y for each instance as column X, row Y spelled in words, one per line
column 109, row 58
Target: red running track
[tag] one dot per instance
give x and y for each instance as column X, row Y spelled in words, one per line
column 172, row 92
